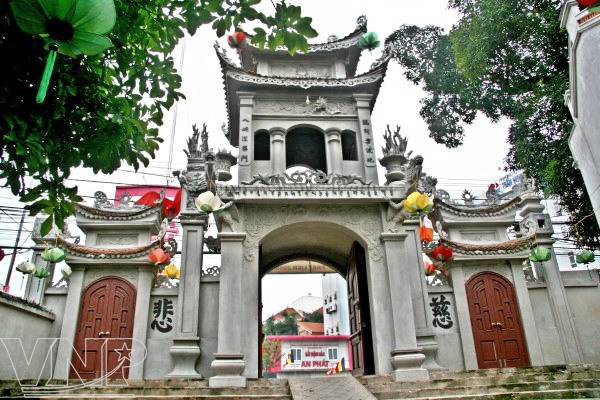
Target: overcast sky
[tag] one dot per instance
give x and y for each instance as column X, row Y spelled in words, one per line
column 473, row 166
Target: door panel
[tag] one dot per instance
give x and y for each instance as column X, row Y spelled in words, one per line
column 359, row 313
column 107, row 311
column 497, row 331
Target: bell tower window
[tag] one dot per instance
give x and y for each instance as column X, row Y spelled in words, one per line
column 305, row 147
column 262, row 146
column 349, row 148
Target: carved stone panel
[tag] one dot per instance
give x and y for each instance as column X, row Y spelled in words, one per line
column 481, row 236
column 313, row 107
column 299, row 70
column 106, row 239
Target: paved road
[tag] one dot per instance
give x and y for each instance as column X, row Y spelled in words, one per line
column 329, row 388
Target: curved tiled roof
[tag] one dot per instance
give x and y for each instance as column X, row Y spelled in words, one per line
column 118, row 214
column 97, row 253
column 233, row 75
column 478, row 211
column 347, row 44
column 499, row 248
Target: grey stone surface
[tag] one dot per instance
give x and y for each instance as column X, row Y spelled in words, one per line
column 329, row 388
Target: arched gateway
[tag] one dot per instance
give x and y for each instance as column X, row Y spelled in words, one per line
column 313, row 112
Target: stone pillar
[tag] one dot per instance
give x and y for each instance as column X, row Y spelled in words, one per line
column 278, row 148
column 140, row 324
column 35, row 287
column 229, row 363
column 531, row 209
column 69, row 326
column 457, row 276
column 530, row 331
column 420, row 297
column 246, row 100
column 364, row 137
column 186, row 341
column 334, row 148
column 407, row 357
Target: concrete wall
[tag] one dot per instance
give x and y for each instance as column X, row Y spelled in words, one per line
column 158, row 363
column 446, row 330
column 26, row 326
column 584, row 298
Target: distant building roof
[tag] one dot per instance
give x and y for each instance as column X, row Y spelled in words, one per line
column 310, row 328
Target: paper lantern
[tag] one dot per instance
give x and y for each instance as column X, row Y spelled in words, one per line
column 26, row 267
column 442, row 253
column 585, row 257
column 53, row 255
column 171, row 272
column 369, row 41
column 540, row 254
column 69, row 27
column 418, row 203
column 237, row 40
column 158, row 257
column 209, row 202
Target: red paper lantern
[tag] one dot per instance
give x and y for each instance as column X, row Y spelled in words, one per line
column 586, row 3
column 237, row 40
column 442, row 253
column 429, row 267
column 158, row 256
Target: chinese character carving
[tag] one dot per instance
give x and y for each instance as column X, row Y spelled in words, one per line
column 163, row 310
column 441, row 314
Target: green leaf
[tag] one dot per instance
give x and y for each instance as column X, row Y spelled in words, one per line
column 303, row 27
column 289, row 40
column 46, row 226
column 259, row 38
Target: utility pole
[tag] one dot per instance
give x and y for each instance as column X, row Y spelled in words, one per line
column 14, row 253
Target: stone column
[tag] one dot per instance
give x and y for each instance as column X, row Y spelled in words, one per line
column 334, row 148
column 35, row 287
column 536, row 356
column 69, row 326
column 278, row 147
column 229, row 361
column 457, row 275
column 186, row 341
column 420, row 296
column 140, row 324
column 531, row 209
column 246, row 102
column 364, row 137
column 407, row 357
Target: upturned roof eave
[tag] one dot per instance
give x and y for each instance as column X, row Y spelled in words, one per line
column 232, row 74
column 346, row 44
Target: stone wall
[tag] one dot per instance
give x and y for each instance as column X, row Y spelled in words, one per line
column 160, row 332
column 29, row 327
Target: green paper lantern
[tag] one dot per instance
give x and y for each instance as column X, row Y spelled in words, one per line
column 53, row 255
column 585, row 257
column 41, row 273
column 369, row 41
column 540, row 254
column 69, row 27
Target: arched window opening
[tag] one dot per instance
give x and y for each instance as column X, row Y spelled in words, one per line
column 305, row 147
column 349, row 148
column 262, row 146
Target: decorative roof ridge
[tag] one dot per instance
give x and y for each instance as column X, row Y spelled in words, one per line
column 345, row 42
column 506, row 246
column 116, row 213
column 228, row 65
column 479, row 211
column 96, row 252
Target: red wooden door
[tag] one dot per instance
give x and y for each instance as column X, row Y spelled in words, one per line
column 359, row 313
column 106, row 313
column 497, row 331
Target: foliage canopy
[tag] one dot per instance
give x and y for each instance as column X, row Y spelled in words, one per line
column 504, row 58
column 105, row 110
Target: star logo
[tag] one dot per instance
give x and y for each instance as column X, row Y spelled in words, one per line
column 124, row 352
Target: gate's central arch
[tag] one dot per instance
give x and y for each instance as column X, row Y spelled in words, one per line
column 339, row 248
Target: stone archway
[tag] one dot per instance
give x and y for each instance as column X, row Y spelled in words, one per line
column 341, row 249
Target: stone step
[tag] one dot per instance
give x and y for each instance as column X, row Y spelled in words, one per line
column 274, row 389
column 459, row 391
column 490, row 380
column 549, row 394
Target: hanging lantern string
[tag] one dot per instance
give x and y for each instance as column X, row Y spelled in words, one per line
column 41, row 94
